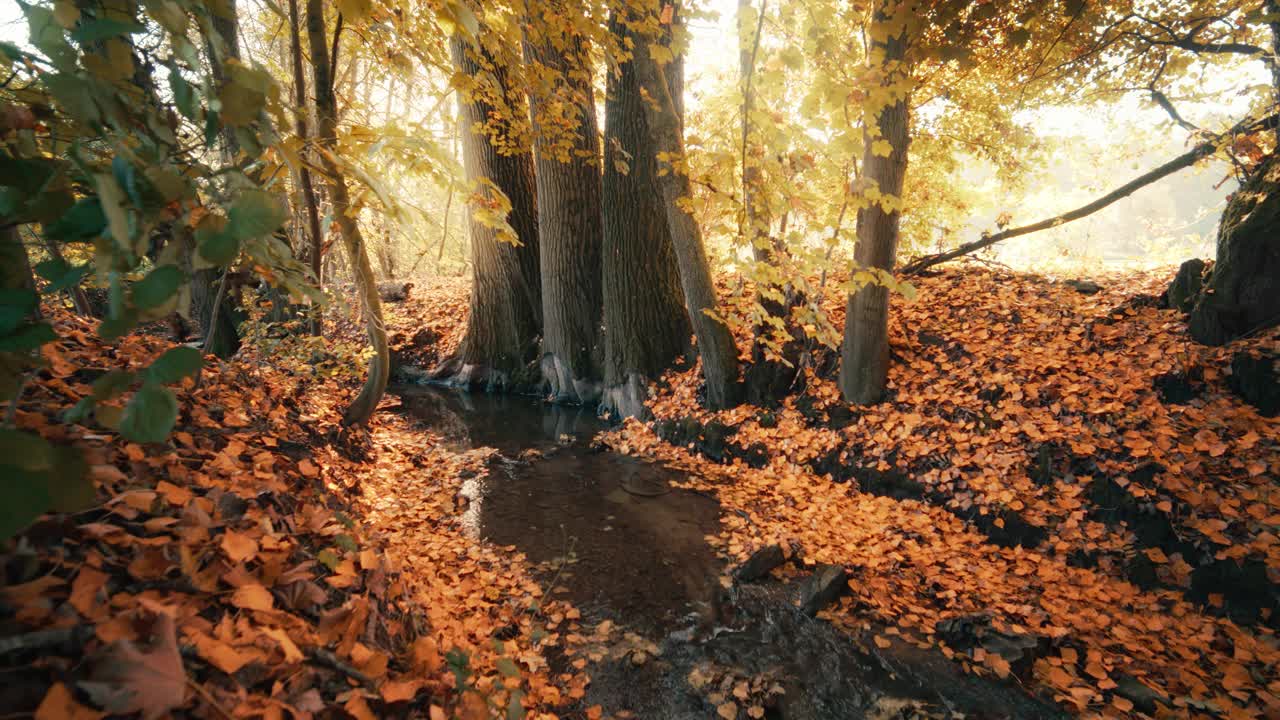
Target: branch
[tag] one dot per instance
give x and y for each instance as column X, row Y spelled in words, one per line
column 1186, row 160
column 1163, row 101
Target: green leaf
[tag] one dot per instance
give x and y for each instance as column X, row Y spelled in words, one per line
column 112, row 384
column 61, row 274
column 174, row 365
column 24, row 496
column 97, row 30
column 47, row 35
column 115, row 327
column 83, row 222
column 28, row 338
column 346, row 542
column 15, row 307
column 244, row 94
column 150, row 415
column 25, row 451
column 328, row 559
column 157, row 287
column 507, row 667
column 254, row 214
column 184, row 95
column 69, row 485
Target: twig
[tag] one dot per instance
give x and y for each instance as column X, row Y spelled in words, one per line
column 44, row 639
column 326, row 658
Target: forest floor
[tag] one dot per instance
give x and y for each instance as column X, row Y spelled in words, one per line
column 1062, row 492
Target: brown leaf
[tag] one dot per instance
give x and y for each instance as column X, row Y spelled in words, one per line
column 239, row 547
column 127, row 680
column 58, row 704
column 253, row 597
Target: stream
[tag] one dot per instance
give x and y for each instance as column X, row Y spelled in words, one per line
column 612, row 535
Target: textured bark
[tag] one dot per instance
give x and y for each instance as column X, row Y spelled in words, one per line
column 864, row 358
column 217, row 313
column 1273, row 9
column 1243, row 292
column 645, row 324
column 363, row 406
column 715, row 342
column 569, row 222
column 310, row 205
column 505, row 318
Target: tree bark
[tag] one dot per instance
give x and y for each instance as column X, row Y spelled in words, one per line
column 715, row 343
column 569, row 218
column 1243, row 292
column 362, row 408
column 864, row 357
column 217, row 313
column 310, row 205
column 504, row 321
column 646, row 327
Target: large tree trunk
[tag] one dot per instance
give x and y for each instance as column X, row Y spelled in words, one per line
column 311, row 206
column 715, row 343
column 864, row 359
column 362, row 408
column 1243, row 293
column 504, row 322
column 567, row 149
column 645, row 324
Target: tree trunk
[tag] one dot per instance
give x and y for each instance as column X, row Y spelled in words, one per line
column 715, row 343
column 864, row 358
column 504, row 322
column 569, row 217
column 1273, row 10
column 645, row 324
column 362, row 408
column 310, row 205
column 1243, row 292
column 217, row 313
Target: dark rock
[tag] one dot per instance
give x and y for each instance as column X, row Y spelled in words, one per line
column 1083, row 559
column 1175, row 388
column 754, row 456
column 1143, row 697
column 394, row 290
column 1186, row 286
column 890, row 483
column 1141, row 571
column 714, row 440
column 839, row 416
column 231, row 506
column 1256, row 380
column 931, row 340
column 1006, row 528
column 835, row 464
column 968, row 632
column 1243, row 293
column 1084, row 287
column 760, row 564
column 991, row 395
column 1245, row 588
column 807, row 406
column 767, row 419
column 823, row 587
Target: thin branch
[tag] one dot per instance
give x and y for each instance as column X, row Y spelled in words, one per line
column 1181, row 162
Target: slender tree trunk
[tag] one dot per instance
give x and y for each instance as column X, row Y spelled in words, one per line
column 716, row 347
column 310, row 204
column 864, row 358
column 362, row 408
column 645, row 324
column 1273, row 10
column 217, row 313
column 504, row 321
column 567, row 152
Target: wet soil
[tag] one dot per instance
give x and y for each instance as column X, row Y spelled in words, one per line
column 613, row 535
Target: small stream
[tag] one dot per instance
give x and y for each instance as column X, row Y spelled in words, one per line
column 612, row 535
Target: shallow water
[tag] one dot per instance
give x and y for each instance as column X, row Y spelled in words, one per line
column 611, row 534
column 620, row 541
